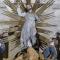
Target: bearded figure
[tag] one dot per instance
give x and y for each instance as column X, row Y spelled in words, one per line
column 28, row 33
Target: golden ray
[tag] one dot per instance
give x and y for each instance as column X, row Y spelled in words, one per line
column 44, row 38
column 36, row 6
column 28, row 2
column 40, row 10
column 41, row 30
column 8, row 22
column 11, row 5
column 15, row 16
column 22, row 5
column 45, row 25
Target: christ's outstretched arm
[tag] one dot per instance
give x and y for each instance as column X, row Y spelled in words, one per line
column 20, row 13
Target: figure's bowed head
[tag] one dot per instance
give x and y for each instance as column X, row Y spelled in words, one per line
column 29, row 8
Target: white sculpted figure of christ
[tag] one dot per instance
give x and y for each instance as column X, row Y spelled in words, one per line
column 28, row 33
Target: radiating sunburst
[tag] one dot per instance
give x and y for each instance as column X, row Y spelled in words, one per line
column 37, row 8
